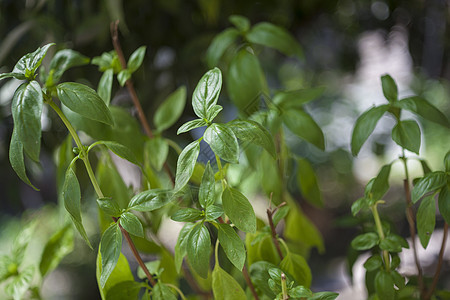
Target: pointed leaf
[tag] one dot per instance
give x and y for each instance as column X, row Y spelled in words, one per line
column 239, row 210
column 381, row 183
column 31, row 61
column 365, row 241
column 109, row 206
column 170, row 110
column 121, row 151
column 150, row 200
column 361, row 203
column 61, row 62
column 307, row 181
column 26, row 109
column 219, row 45
column 276, row 37
column 186, row 164
column 16, row 159
column 105, row 86
column 207, row 93
column 136, row 59
column 121, row 273
column 297, row 266
column 198, row 249
column 180, row 247
column 213, row 212
column 191, row 125
column 407, row 135
column 123, row 76
column 240, row 22
column 304, row 126
column 424, row 109
column 131, row 224
column 365, row 125
column 232, row 245
column 224, row 286
column 296, row 98
column 57, row 247
column 426, row 220
column 187, row 215
column 429, row 183
column 18, row 76
column 447, row 162
column 223, row 142
column 390, row 91
column 444, row 203
column 206, row 191
column 157, row 150
column 162, row 292
column 110, row 246
column 84, row 101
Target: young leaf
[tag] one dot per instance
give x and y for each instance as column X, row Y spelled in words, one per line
column 246, row 82
column 429, row 183
column 72, row 198
column 381, row 183
column 121, row 151
column 276, row 37
column 198, row 248
column 16, row 159
column 20, row 283
column 187, row 215
column 365, row 125
column 324, row 296
column 304, row 126
column 123, row 76
column 157, row 150
column 206, row 191
column 180, row 247
column 105, row 86
column 18, row 76
column 280, row 214
column 384, row 285
column 136, row 59
column 121, row 273
column 224, row 286
column 150, row 200
column 31, row 61
column 219, row 45
column 124, row 290
column 57, row 247
column 131, row 224
column 186, row 164
column 84, row 101
column 444, row 203
column 109, row 206
column 253, row 132
column 239, row 210
column 407, row 135
column 232, row 245
column 162, row 292
column 207, row 93
column 365, row 241
column 307, row 181
column 424, row 109
column 240, row 22
column 191, row 125
column 372, row 263
column 61, row 62
column 213, row 112
column 223, row 142
column 295, row 99
column 297, row 266
column 110, row 246
column 301, row 292
column 212, row 212
column 389, row 88
column 361, row 203
column 426, row 220
column 26, row 110
column 170, row 110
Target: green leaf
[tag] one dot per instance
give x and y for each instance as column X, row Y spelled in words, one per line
column 361, row 203
column 31, row 61
column 381, row 183
column 121, row 273
column 324, row 296
column 157, row 150
column 72, row 198
column 109, row 206
column 191, row 125
column 187, row 215
column 124, row 290
column 304, row 126
column 21, row 242
column 219, row 45
column 426, row 220
column 8, row 267
column 393, row 243
column 105, row 86
column 276, row 37
column 123, row 76
column 373, row 263
column 186, row 164
column 300, row 292
column 365, row 125
column 20, row 283
column 110, row 246
column 384, row 285
column 232, row 245
column 61, row 62
column 26, row 110
column 390, row 91
column 16, row 159
column 214, row 111
column 206, row 93
column 429, row 183
column 162, row 292
column 58, row 246
column 280, row 214
column 170, row 110
column 423, row 108
column 246, row 82
column 136, row 59
column 18, row 76
column 223, row 142
column 295, row 99
column 121, row 151
column 150, row 200
column 239, row 210
column 213, row 212
column 365, row 241
column 224, row 286
column 297, row 266
column 240, row 22
column 426, row 169
column 180, row 247
column 307, row 181
column 447, row 162
column 131, row 224
column 198, row 248
column 206, row 191
column 407, row 135
column 84, row 101
column 259, row 273
column 253, row 132
column 444, row 203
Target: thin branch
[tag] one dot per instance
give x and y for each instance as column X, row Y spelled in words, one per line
column 272, row 230
column 439, row 265
column 249, row 282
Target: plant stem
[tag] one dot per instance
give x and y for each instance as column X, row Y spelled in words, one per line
column 176, row 289
column 439, row 265
column 249, row 282
column 274, row 233
column 411, row 222
column 376, row 217
column 284, row 287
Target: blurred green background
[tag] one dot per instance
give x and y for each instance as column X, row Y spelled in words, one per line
column 347, row 46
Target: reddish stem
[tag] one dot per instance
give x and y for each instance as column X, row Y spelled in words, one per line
column 439, row 265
